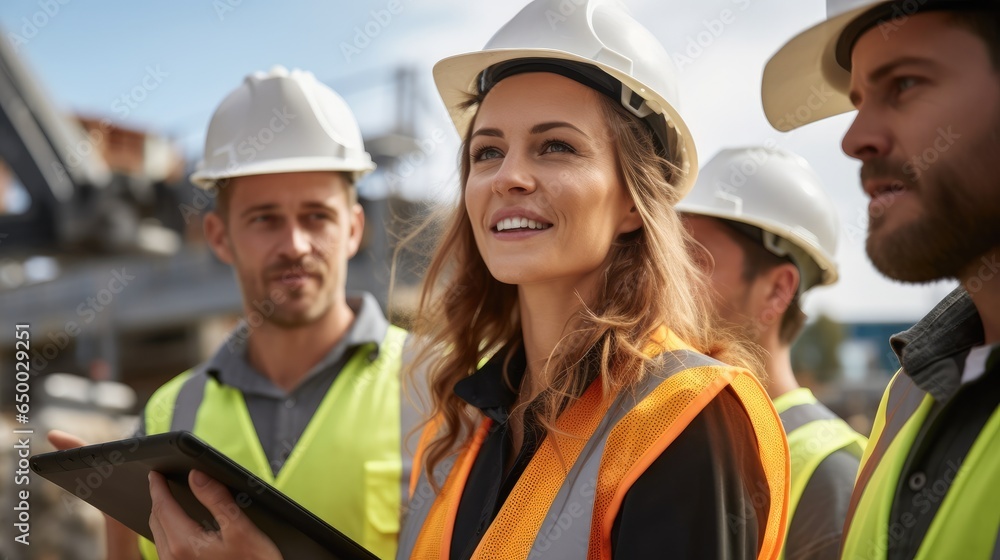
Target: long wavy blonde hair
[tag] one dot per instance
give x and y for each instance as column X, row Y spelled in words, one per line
column 651, row 280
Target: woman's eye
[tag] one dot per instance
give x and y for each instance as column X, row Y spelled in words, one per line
column 557, row 146
column 485, row 152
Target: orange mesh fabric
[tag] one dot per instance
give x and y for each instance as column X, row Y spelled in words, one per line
column 773, row 448
column 647, row 430
column 435, row 536
column 517, row 523
column 641, row 436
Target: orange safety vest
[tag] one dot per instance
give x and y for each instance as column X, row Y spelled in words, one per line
column 606, row 444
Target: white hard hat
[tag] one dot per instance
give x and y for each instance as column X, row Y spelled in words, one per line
column 598, row 33
column 808, row 79
column 779, row 193
column 281, row 122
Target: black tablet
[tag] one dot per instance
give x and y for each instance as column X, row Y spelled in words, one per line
column 113, row 477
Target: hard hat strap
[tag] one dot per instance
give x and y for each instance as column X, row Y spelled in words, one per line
column 635, row 103
column 588, row 75
column 810, row 273
column 774, row 244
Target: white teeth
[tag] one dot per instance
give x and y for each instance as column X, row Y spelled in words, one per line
column 519, row 223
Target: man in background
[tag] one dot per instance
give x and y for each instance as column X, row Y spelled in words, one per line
column 770, row 233
column 306, row 391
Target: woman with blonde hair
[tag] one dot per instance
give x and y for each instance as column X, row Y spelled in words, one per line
column 582, row 405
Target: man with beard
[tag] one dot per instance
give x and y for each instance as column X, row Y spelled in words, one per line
column 925, row 81
column 305, row 392
column 769, row 233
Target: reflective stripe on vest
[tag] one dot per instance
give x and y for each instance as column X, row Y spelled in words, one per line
column 607, row 445
column 967, row 523
column 814, row 433
column 356, row 483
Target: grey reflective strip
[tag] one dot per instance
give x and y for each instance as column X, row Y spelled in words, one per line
column 409, row 415
column 904, row 399
column 996, row 548
column 567, row 523
column 419, row 507
column 189, row 399
column 800, row 415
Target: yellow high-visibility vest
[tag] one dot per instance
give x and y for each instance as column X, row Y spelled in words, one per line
column 810, row 442
column 348, row 466
column 967, row 522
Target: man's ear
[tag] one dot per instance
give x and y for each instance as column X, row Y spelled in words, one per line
column 784, row 284
column 357, row 233
column 217, row 237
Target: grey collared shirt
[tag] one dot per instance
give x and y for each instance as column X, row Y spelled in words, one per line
column 280, row 417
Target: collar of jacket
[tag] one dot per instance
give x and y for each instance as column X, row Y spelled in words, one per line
column 950, row 329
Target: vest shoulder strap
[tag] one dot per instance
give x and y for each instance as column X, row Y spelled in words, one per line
column 579, row 502
column 901, row 400
column 800, row 415
column 160, row 411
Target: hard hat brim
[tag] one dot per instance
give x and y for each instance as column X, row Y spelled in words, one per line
column 803, row 82
column 206, row 179
column 456, row 80
column 828, row 268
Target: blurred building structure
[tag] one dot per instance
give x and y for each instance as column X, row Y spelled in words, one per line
column 847, row 366
column 102, row 254
column 100, row 240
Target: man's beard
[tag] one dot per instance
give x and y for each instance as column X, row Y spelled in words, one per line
column 273, row 306
column 960, row 220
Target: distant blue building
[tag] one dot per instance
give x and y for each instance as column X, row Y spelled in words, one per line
column 874, row 336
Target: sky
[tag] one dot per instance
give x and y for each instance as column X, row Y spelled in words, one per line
column 164, row 66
